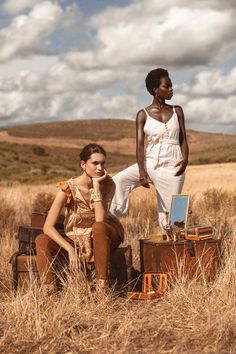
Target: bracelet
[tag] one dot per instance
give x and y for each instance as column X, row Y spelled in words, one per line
column 96, row 197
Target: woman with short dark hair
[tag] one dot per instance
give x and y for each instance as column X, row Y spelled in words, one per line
column 165, row 158
column 90, row 230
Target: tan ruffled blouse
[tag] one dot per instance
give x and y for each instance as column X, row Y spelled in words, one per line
column 80, row 216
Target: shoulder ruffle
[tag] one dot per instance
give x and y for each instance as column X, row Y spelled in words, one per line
column 64, row 186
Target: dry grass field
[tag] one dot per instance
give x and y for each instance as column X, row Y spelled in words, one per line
column 202, row 177
column 193, row 316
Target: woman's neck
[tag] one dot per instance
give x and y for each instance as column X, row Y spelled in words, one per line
column 158, row 102
column 85, row 180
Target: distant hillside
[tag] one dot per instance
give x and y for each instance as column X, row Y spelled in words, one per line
column 50, row 151
column 106, row 130
column 35, row 164
column 91, row 129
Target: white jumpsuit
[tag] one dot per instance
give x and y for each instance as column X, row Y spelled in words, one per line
column 163, row 152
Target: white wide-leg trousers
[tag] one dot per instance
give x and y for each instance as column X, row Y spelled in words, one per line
column 164, row 180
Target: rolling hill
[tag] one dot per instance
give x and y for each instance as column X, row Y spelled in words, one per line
column 47, row 151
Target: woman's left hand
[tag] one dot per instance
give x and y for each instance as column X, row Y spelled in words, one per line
column 183, row 164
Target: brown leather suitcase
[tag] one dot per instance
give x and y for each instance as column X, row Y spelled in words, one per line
column 26, row 235
column 191, row 258
column 38, row 220
column 23, row 261
column 24, row 271
column 121, row 268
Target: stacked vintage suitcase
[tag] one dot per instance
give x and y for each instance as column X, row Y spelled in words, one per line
column 24, row 266
column 161, row 262
column 186, row 251
column 23, row 261
column 191, row 258
column 196, row 254
column 192, row 251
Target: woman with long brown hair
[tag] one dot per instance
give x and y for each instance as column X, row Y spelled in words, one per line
column 90, row 230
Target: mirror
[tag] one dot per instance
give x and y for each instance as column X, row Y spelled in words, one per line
column 179, row 210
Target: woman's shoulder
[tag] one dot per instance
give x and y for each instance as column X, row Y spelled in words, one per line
column 142, row 111
column 177, row 108
column 65, row 185
column 179, row 112
column 141, row 115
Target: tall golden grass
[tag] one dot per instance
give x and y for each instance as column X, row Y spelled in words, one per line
column 193, row 317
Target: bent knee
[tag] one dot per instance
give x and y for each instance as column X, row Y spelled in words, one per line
column 99, row 228
column 98, row 225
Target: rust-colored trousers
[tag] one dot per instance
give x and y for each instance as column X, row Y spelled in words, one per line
column 105, row 240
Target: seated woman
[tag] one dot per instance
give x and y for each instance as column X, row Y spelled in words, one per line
column 163, row 159
column 89, row 228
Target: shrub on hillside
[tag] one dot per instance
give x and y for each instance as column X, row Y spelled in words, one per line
column 39, row 151
column 43, row 202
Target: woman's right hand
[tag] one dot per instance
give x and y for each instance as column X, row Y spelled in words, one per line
column 73, row 260
column 144, row 179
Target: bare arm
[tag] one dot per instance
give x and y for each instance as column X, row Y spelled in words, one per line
column 100, row 204
column 140, row 122
column 184, row 144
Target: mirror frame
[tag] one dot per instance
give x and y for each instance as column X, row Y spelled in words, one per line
column 186, row 215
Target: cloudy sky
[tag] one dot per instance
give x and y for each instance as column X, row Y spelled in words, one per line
column 78, row 59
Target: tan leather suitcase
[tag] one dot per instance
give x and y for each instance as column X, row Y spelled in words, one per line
column 191, row 258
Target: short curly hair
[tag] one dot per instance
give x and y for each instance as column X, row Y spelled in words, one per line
column 153, row 79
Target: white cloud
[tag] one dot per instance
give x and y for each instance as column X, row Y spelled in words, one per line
column 212, row 83
column 210, row 99
column 35, row 64
column 61, row 93
column 15, row 6
column 19, row 106
column 25, row 34
column 212, row 110
column 148, row 33
column 125, row 44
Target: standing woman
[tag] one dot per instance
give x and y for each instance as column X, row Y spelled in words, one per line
column 89, row 227
column 165, row 158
